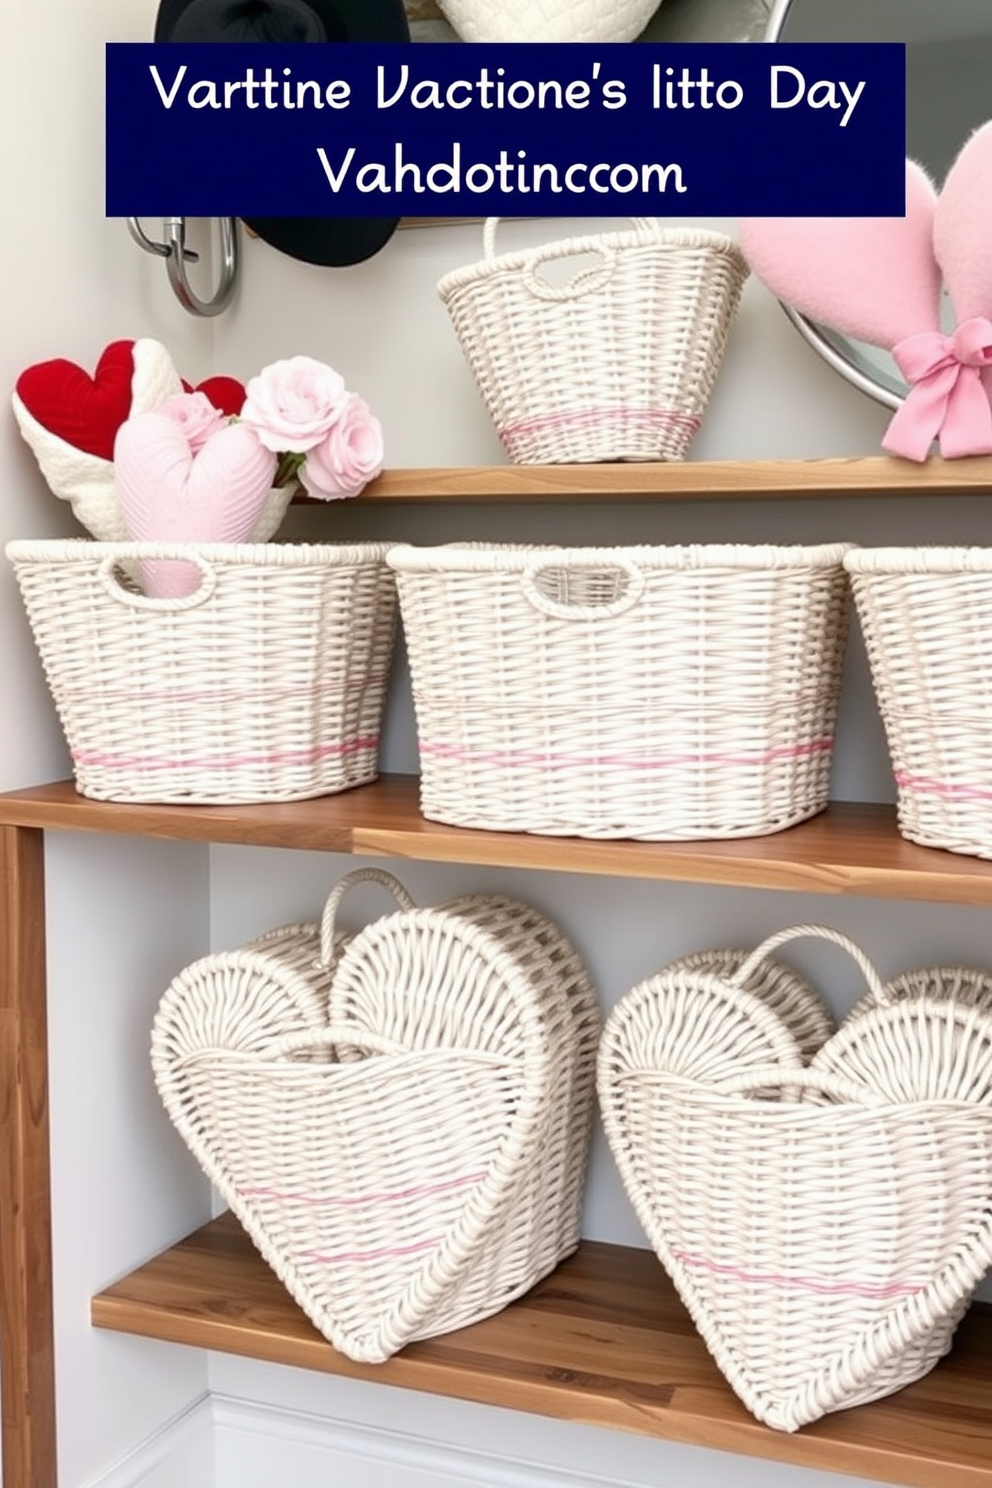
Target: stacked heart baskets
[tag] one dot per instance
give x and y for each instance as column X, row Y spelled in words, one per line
column 654, row 692
column 822, row 1203
column 266, row 683
column 399, row 1120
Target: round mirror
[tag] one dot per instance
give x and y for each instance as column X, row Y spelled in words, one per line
column 948, row 95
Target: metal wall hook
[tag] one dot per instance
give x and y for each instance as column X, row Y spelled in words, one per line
column 177, row 256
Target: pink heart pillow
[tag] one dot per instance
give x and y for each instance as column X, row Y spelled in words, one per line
column 874, row 278
column 168, row 494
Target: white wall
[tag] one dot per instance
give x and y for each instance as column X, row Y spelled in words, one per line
column 124, row 915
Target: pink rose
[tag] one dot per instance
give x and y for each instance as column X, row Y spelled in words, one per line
column 292, row 404
column 348, row 458
column 195, row 415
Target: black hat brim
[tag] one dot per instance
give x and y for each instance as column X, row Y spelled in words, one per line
column 329, row 241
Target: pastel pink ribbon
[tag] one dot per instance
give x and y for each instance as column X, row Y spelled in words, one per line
column 946, row 398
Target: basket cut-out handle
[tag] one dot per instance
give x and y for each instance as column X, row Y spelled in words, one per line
column 604, row 584
column 585, row 281
column 816, row 932
column 133, row 599
column 358, row 875
column 327, row 1038
column 838, row 1088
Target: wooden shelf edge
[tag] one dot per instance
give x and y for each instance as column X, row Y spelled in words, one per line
column 603, row 1341
column 850, row 849
column 697, row 480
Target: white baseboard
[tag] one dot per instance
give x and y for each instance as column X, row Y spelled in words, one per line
column 181, row 1454
column 260, row 1446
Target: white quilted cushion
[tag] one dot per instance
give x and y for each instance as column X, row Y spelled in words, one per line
column 548, row 20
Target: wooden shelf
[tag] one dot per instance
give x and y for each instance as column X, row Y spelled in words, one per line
column 849, row 849
column 693, row 480
column 604, row 1340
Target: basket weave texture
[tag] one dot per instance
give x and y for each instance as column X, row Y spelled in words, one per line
column 678, row 692
column 265, row 684
column 926, row 615
column 827, row 1219
column 616, row 363
column 400, row 1120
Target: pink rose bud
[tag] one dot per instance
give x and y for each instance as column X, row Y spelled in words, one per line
column 196, row 416
column 293, row 404
column 348, row 458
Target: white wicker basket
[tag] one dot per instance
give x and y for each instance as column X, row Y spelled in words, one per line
column 825, row 1224
column 400, row 1121
column 659, row 693
column 617, row 362
column 265, row 684
column 926, row 614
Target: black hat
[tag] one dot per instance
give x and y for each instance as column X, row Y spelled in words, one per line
column 332, row 241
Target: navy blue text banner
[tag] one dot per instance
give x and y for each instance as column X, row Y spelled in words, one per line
column 325, row 130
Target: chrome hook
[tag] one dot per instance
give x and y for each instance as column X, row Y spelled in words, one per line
column 177, row 256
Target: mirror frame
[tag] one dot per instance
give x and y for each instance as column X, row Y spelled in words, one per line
column 812, row 333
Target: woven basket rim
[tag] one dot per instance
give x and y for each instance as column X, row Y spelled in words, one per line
column 273, row 555
column 675, row 558
column 922, row 560
column 665, row 240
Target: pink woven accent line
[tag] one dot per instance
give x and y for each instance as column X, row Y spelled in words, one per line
column 807, row 1283
column 224, row 694
column 368, row 1255
column 523, row 757
column 928, row 786
column 285, row 757
column 394, row 1197
column 663, row 418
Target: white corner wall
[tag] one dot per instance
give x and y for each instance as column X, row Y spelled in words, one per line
column 124, row 916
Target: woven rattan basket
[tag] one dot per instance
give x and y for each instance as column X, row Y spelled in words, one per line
column 400, row 1120
column 926, row 614
column 265, row 684
column 826, row 1224
column 660, row 693
column 615, row 363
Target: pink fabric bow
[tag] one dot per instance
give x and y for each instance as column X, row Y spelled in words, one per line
column 946, row 398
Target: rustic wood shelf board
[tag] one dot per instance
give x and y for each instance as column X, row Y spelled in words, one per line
column 693, row 480
column 848, row 849
column 604, row 1340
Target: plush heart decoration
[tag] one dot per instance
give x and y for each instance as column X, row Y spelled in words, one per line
column 962, row 232
column 871, row 277
column 400, row 1186
column 225, row 393
column 168, row 494
column 52, row 407
column 548, row 20
column 792, row 1226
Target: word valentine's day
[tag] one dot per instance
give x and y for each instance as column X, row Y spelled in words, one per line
column 327, row 130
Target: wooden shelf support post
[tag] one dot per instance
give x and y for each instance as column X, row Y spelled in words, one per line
column 27, row 1349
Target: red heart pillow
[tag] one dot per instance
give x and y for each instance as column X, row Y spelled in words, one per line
column 85, row 411
column 227, row 394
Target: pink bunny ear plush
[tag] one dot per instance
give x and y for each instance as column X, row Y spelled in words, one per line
column 878, row 279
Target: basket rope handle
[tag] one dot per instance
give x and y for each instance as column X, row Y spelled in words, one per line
column 586, row 281
column 592, row 562
column 818, row 932
column 840, row 1088
column 326, row 1038
column 378, row 876
column 146, row 553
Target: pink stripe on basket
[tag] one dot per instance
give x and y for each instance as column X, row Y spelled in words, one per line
column 368, row 1255
column 224, row 761
column 388, row 1197
column 661, row 418
column 806, row 1283
column 929, row 786
column 523, row 757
